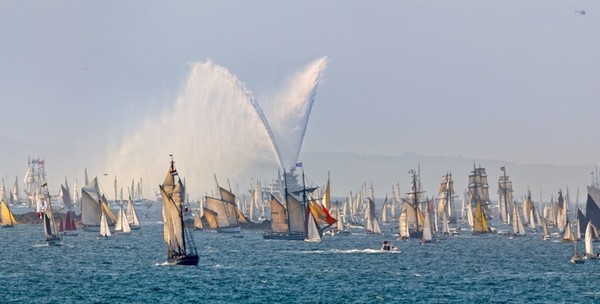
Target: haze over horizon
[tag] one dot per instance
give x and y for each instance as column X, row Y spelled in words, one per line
column 507, row 81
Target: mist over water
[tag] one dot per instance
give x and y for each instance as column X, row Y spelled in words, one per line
column 216, row 127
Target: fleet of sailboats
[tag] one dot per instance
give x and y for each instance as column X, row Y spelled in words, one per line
column 303, row 214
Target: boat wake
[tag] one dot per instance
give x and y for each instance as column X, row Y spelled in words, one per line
column 346, row 251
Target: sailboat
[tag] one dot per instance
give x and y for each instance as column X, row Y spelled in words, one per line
column 427, row 234
column 67, row 227
column 371, row 219
column 180, row 245
column 226, row 210
column 122, row 224
column 546, row 235
column 132, row 218
column 104, row 228
column 7, row 219
column 568, row 235
column 517, row 222
column 577, row 257
column 590, row 234
column 50, row 230
column 93, row 204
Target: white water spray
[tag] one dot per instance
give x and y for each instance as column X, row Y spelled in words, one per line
column 216, row 127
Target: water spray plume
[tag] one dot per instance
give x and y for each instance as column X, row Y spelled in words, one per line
column 217, row 127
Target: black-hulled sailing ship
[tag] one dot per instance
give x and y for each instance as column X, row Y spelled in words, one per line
column 180, row 245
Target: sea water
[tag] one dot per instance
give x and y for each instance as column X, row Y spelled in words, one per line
column 244, row 268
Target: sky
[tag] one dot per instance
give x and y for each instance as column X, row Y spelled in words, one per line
column 508, row 80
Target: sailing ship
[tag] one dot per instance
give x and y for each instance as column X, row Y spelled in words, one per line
column 93, row 205
column 180, row 245
column 50, row 229
column 227, row 211
column 411, row 219
column 68, row 227
column 577, row 257
column 445, row 199
column 479, row 200
column 505, row 200
column 292, row 221
column 7, row 218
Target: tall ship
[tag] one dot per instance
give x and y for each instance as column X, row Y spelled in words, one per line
column 294, row 218
column 412, row 219
column 33, row 180
column 479, row 200
column 445, row 208
column 505, row 197
column 181, row 249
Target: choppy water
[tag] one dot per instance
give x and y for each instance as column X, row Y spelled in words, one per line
column 248, row 269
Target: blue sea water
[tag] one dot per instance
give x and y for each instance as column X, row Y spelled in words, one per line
column 245, row 268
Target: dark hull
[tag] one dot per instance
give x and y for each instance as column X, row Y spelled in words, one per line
column 187, row 260
column 416, row 234
column 284, row 236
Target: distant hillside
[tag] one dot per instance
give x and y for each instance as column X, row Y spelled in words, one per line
column 349, row 170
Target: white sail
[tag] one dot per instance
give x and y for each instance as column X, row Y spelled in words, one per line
column 445, row 226
column 427, row 235
column 122, row 224
column 403, row 223
column 517, row 222
column 313, row 231
column 90, row 206
column 376, row 228
column 589, row 248
column 132, row 217
column 104, row 229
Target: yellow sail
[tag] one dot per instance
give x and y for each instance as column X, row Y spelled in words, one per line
column 479, row 222
column 6, row 216
column 211, row 218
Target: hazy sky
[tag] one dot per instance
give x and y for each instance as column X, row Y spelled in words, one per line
column 509, row 80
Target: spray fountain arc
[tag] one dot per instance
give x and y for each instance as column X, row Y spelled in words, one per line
column 217, row 127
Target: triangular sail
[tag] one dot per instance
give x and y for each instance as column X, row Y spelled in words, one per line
column 313, row 231
column 6, row 216
column 198, row 220
column 104, row 229
column 132, row 217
